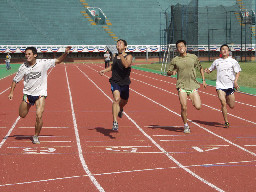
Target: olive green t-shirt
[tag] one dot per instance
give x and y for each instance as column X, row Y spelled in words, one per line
column 186, row 72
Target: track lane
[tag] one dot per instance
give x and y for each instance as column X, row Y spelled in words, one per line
column 106, row 89
column 209, row 140
column 52, row 163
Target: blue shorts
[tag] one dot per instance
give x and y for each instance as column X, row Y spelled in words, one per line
column 124, row 90
column 31, row 99
column 228, row 92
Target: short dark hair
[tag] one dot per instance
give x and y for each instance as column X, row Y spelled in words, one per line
column 181, row 41
column 33, row 49
column 224, row 45
column 125, row 43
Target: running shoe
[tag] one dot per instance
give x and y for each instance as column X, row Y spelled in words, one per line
column 35, row 140
column 115, row 126
column 120, row 114
column 186, row 129
column 226, row 125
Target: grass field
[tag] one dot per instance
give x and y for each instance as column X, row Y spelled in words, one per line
column 247, row 76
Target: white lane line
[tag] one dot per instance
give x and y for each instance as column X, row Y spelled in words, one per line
column 176, row 94
column 9, row 132
column 169, row 135
column 254, row 154
column 44, row 127
column 120, row 172
column 7, row 76
column 13, row 126
column 202, row 103
column 156, row 144
column 80, row 151
column 199, row 91
column 5, row 90
column 43, row 141
column 198, row 149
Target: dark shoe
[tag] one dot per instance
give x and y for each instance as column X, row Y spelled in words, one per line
column 120, row 114
column 226, row 125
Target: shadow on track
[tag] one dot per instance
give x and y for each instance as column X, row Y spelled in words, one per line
column 167, row 128
column 105, row 132
column 213, row 124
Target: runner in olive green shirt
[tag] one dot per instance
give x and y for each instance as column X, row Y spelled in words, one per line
column 185, row 66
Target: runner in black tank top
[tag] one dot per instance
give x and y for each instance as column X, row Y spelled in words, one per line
column 120, row 74
column 120, row 80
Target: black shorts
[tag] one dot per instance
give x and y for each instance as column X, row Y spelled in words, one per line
column 228, row 92
column 124, row 90
column 31, row 99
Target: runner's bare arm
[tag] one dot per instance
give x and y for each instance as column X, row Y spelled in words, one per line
column 105, row 70
column 127, row 62
column 236, row 79
column 63, row 56
column 10, row 96
column 203, row 78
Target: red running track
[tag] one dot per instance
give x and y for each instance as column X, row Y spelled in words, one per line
column 80, row 152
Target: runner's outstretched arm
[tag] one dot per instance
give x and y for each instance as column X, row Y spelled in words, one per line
column 63, row 56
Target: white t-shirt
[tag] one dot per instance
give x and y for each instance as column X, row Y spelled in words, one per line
column 35, row 77
column 8, row 58
column 107, row 56
column 226, row 72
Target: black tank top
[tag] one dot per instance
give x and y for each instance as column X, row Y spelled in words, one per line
column 120, row 74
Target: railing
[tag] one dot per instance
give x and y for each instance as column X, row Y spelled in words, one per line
column 130, row 48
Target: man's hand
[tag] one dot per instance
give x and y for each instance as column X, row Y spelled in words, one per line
column 204, row 84
column 169, row 73
column 207, row 70
column 236, row 86
column 67, row 50
column 10, row 96
column 102, row 72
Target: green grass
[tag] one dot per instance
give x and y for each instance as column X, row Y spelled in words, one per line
column 247, row 76
column 4, row 72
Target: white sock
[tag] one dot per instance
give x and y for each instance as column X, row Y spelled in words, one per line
column 186, row 124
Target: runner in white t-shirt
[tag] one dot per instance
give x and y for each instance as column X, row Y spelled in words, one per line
column 34, row 73
column 228, row 71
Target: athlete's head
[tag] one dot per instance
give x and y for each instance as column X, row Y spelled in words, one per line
column 224, row 50
column 181, row 46
column 121, row 45
column 30, row 54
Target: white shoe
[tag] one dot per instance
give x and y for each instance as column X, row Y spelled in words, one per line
column 186, row 129
column 35, row 140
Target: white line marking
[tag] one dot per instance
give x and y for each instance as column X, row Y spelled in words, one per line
column 202, row 103
column 119, row 172
column 9, row 132
column 2, row 127
column 157, row 145
column 176, row 94
column 80, row 151
column 43, row 141
column 199, row 91
column 195, row 123
column 174, row 140
column 250, row 145
column 44, row 127
column 169, row 135
column 4, row 91
column 7, row 76
column 198, row 149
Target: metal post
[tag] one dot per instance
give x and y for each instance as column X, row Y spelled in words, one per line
column 208, row 45
column 241, row 14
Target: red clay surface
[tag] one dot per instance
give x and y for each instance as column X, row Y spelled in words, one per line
column 149, row 153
